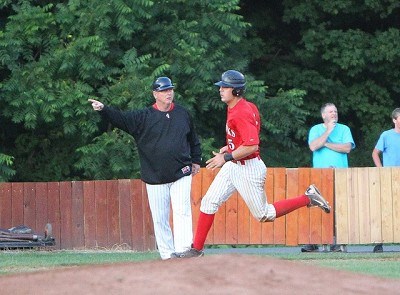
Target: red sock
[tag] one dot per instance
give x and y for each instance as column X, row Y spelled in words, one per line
column 284, row 207
column 203, row 226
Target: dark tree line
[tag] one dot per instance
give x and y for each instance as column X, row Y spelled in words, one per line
column 297, row 55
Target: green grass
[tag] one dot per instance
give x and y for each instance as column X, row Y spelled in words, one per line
column 377, row 264
column 33, row 260
column 376, row 267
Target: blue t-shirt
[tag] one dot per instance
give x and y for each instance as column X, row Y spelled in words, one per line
column 389, row 145
column 325, row 157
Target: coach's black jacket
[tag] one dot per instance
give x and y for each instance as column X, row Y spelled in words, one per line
column 166, row 141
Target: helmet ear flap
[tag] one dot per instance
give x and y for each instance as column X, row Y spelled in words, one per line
column 238, row 91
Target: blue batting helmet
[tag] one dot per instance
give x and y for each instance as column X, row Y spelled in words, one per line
column 162, row 83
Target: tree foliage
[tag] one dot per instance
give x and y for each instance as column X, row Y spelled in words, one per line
column 54, row 55
column 345, row 52
column 5, row 171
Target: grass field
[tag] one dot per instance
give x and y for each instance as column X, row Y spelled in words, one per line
column 385, row 265
column 378, row 264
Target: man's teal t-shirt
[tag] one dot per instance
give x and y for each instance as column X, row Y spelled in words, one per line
column 325, row 157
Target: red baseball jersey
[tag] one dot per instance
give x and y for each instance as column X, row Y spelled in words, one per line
column 243, row 126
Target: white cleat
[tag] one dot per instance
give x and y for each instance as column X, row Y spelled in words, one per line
column 316, row 199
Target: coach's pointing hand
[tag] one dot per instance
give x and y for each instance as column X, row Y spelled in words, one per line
column 97, row 105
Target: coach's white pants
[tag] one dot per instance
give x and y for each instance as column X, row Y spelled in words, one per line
column 161, row 196
column 248, row 180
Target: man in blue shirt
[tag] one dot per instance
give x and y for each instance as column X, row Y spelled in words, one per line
column 389, row 145
column 330, row 143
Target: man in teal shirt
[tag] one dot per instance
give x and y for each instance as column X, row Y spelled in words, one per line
column 330, row 143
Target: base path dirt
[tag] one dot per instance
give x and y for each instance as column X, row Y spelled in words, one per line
column 213, row 274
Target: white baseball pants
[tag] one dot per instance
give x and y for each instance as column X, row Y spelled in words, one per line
column 161, row 197
column 249, row 180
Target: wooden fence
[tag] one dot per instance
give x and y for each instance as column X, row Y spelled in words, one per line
column 93, row 214
column 115, row 213
column 368, row 205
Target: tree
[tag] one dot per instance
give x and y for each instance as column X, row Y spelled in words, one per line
column 55, row 55
column 5, row 171
column 344, row 52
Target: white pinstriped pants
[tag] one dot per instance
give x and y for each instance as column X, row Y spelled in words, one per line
column 161, row 196
column 248, row 180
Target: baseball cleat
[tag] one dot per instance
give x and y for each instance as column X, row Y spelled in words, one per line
column 316, row 199
column 378, row 248
column 310, row 248
column 174, row 255
column 190, row 253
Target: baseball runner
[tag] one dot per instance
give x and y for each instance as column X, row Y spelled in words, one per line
column 170, row 154
column 242, row 168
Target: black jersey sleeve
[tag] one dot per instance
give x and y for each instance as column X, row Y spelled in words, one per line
column 128, row 121
column 195, row 146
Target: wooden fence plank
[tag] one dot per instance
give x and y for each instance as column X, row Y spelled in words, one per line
column 363, row 205
column 292, row 187
column 17, row 212
column 150, row 241
column 53, row 211
column 375, row 204
column 279, row 194
column 113, row 217
column 89, row 214
column 196, row 195
column 341, row 206
column 77, row 215
column 41, row 206
column 304, row 212
column 137, row 212
column 6, row 205
column 396, row 203
column 207, row 178
column 267, row 231
column 328, row 233
column 100, row 192
column 66, row 215
column 387, row 204
column 316, row 213
column 30, row 205
column 219, row 225
column 124, row 192
column 255, row 230
column 232, row 219
column 243, row 221
column 354, row 218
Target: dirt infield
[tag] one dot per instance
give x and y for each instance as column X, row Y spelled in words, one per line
column 213, row 274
